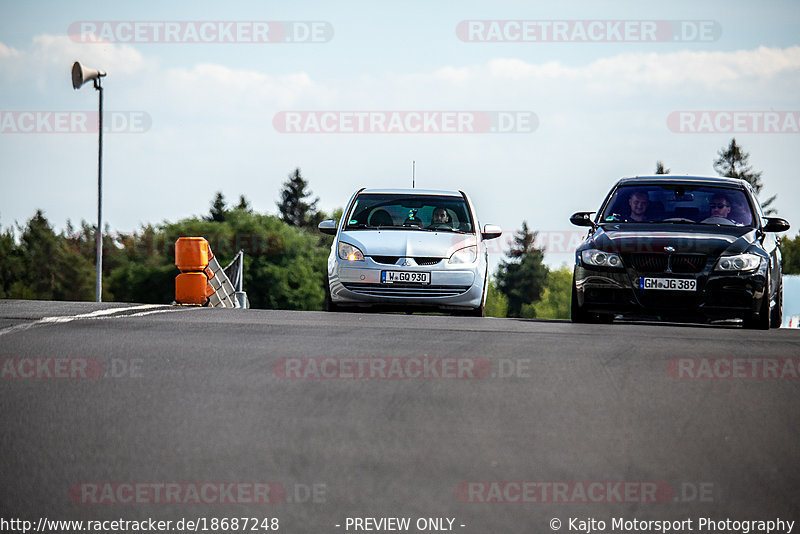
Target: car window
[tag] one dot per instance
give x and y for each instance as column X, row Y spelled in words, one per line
column 409, row 212
column 680, row 204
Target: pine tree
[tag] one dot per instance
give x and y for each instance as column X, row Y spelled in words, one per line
column 523, row 276
column 218, row 209
column 733, row 162
column 660, row 168
column 244, row 205
column 293, row 208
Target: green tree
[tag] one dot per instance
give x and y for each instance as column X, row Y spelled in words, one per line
column 790, row 253
column 218, row 209
column 243, row 204
column 293, row 208
column 557, row 294
column 44, row 266
column 522, row 277
column 11, row 267
column 733, row 162
column 660, row 169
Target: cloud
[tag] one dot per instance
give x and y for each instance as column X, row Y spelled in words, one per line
column 7, row 52
column 212, row 88
column 664, row 72
column 49, row 58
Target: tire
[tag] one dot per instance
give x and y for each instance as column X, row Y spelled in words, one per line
column 762, row 322
column 329, row 305
column 577, row 313
column 776, row 315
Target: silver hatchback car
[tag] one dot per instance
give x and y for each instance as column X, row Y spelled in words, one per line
column 409, row 250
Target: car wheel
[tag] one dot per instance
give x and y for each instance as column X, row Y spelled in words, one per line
column 776, row 318
column 762, row 322
column 329, row 305
column 577, row 313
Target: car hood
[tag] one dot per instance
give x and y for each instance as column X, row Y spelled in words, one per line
column 407, row 243
column 711, row 240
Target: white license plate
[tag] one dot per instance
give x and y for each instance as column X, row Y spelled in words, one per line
column 409, row 277
column 669, row 284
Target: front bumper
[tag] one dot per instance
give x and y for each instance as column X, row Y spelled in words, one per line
column 717, row 296
column 453, row 287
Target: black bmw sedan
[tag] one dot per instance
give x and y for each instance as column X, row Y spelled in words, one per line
column 681, row 248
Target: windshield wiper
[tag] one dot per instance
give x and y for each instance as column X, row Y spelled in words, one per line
column 676, row 220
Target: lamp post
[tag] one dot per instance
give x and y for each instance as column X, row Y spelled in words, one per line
column 81, row 75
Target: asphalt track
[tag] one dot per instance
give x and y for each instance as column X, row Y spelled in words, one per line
column 190, row 396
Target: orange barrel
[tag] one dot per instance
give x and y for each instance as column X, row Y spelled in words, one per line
column 192, row 253
column 190, row 288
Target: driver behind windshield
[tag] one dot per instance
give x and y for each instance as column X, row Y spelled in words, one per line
column 639, row 201
column 441, row 219
column 720, row 206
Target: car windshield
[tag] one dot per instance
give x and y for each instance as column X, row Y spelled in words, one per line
column 680, row 204
column 410, row 212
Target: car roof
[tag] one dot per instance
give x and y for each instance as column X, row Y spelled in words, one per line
column 434, row 192
column 655, row 179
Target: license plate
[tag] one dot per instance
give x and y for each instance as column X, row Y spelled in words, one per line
column 669, row 284
column 410, row 277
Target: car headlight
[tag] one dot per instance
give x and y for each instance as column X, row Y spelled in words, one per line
column 464, row 255
column 739, row 262
column 349, row 252
column 598, row 258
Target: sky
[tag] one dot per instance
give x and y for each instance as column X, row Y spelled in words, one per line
column 533, row 108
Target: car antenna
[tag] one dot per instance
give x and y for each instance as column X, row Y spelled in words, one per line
column 413, row 173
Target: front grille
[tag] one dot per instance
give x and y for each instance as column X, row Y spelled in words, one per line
column 392, row 260
column 388, row 260
column 427, row 261
column 648, row 263
column 658, row 263
column 687, row 263
column 672, row 300
column 404, row 290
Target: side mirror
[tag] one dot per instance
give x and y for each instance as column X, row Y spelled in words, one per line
column 582, row 218
column 491, row 231
column 327, row 227
column 776, row 224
